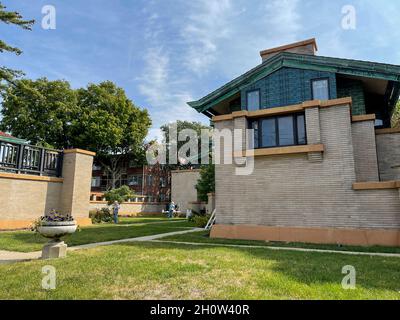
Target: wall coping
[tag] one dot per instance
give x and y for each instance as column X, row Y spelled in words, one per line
column 185, row 170
column 19, row 176
column 280, row 150
column 387, row 131
column 376, row 185
column 81, row 151
column 284, row 110
column 365, row 117
column 152, row 203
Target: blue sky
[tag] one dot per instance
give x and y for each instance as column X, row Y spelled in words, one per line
column 167, row 52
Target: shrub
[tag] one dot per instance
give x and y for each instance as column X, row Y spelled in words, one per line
column 121, row 195
column 201, row 221
column 102, row 215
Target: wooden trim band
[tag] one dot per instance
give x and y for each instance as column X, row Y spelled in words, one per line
column 280, row 150
column 376, row 185
column 81, row 151
column 17, row 176
column 387, row 131
column 284, row 110
column 365, row 117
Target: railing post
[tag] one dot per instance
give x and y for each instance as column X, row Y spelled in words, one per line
column 20, row 157
column 42, row 160
column 60, row 159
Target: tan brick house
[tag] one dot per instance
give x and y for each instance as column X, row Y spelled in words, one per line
column 326, row 160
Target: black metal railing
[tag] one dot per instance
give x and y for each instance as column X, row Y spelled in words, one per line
column 27, row 159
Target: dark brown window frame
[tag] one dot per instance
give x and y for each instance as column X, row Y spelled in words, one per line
column 276, row 118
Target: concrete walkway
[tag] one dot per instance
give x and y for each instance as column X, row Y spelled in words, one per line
column 376, row 254
column 11, row 257
column 137, row 239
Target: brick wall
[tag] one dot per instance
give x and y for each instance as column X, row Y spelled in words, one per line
column 183, row 189
column 24, row 198
column 365, row 156
column 388, row 147
column 292, row 191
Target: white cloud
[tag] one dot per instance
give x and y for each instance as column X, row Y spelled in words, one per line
column 166, row 94
column 208, row 23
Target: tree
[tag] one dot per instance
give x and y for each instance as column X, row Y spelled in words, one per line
column 181, row 125
column 40, row 111
column 206, row 183
column 111, row 125
column 396, row 116
column 10, row 17
column 121, row 195
column 98, row 118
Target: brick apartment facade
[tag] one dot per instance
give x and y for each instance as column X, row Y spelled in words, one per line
column 326, row 160
column 151, row 183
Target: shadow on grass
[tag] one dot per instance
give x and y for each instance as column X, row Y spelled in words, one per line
column 307, row 268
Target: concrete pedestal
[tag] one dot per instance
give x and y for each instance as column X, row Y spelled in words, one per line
column 53, row 250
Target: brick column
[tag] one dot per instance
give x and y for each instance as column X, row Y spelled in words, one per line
column 240, row 123
column 313, row 129
column 77, row 175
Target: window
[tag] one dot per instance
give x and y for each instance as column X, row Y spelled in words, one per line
column 320, row 89
column 134, row 180
column 163, row 182
column 132, row 164
column 253, row 100
column 96, row 167
column 96, row 181
column 279, row 131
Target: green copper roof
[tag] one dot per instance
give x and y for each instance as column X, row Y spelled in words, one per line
column 8, row 138
column 292, row 60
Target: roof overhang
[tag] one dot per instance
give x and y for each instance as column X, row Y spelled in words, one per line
column 292, row 60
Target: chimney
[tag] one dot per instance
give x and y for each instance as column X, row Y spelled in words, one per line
column 303, row 47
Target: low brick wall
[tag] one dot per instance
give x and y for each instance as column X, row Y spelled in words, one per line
column 183, row 187
column 24, row 198
column 133, row 208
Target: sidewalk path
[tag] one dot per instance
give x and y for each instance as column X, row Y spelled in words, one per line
column 376, row 254
column 11, row 257
column 137, row 239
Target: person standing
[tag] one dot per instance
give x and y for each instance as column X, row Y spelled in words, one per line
column 116, row 208
column 171, row 210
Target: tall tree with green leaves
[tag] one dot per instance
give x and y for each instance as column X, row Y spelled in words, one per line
column 182, row 125
column 14, row 18
column 206, row 182
column 40, row 111
column 111, row 125
column 99, row 118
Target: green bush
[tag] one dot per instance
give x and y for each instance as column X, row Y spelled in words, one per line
column 102, row 215
column 201, row 221
column 121, row 195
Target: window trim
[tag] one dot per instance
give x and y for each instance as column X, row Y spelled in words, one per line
column 259, row 98
column 320, row 79
column 295, row 131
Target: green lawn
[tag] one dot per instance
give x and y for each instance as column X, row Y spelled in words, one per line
column 203, row 237
column 177, row 271
column 147, row 219
column 25, row 241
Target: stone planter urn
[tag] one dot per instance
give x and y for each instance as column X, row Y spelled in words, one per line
column 55, row 230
